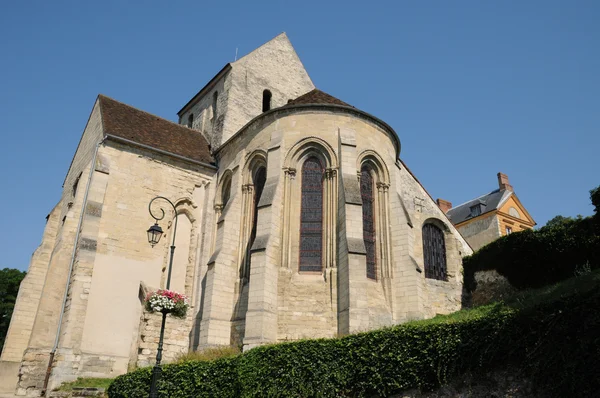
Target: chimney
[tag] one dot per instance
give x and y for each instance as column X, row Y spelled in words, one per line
column 444, row 205
column 503, row 182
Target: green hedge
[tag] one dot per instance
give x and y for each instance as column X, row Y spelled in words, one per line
column 529, row 259
column 556, row 343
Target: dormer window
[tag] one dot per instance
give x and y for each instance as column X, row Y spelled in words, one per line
column 475, row 210
column 266, row 100
column 190, row 122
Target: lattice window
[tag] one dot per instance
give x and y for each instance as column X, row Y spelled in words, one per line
column 311, row 216
column 434, row 252
column 368, row 218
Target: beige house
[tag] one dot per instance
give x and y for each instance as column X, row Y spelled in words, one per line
column 296, row 219
column 484, row 219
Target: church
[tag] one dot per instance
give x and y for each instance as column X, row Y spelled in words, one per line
column 295, row 218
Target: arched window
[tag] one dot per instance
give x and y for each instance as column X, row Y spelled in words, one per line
column 190, row 122
column 214, row 107
column 434, row 252
column 226, row 191
column 311, row 216
column 260, row 177
column 266, row 100
column 368, row 218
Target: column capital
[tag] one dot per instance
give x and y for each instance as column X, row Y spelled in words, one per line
column 290, row 171
column 384, row 186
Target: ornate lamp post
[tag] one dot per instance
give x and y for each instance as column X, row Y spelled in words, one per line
column 154, row 234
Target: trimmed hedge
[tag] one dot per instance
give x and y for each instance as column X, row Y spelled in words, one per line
column 555, row 343
column 530, row 259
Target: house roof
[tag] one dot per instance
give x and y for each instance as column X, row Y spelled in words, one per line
column 489, row 202
column 317, row 96
column 134, row 125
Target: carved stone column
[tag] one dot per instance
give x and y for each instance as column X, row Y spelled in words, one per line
column 289, row 177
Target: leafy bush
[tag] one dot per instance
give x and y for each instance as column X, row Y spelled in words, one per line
column 531, row 259
column 555, row 342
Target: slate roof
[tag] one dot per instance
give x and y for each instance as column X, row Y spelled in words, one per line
column 317, row 96
column 489, row 202
column 124, row 121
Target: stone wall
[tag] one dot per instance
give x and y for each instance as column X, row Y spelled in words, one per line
column 482, row 231
column 26, row 307
column 208, row 122
column 99, row 333
column 341, row 299
column 175, row 343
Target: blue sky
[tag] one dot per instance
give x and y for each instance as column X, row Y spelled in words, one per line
column 472, row 88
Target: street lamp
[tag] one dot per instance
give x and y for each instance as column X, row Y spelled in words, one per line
column 154, row 234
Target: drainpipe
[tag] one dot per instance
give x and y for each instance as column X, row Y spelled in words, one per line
column 73, row 254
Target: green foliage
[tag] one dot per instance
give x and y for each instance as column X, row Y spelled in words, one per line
column 530, row 258
column 552, row 339
column 595, row 197
column 10, row 279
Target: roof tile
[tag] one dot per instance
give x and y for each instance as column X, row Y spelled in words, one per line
column 127, row 122
column 317, row 96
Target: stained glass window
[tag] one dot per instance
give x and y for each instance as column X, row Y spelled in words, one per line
column 434, row 252
column 311, row 216
column 368, row 211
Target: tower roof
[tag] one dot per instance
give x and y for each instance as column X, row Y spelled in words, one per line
column 317, row 96
column 126, row 122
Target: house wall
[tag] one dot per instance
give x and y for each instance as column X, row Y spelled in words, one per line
column 481, row 231
column 516, row 224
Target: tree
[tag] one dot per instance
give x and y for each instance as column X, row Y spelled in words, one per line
column 595, row 197
column 10, row 279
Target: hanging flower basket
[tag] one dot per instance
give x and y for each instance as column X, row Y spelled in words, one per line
column 167, row 302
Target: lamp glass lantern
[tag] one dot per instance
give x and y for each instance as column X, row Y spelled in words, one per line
column 154, row 234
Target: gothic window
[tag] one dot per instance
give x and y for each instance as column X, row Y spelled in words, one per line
column 368, row 217
column 434, row 252
column 311, row 216
column 259, row 184
column 190, row 121
column 266, row 100
column 226, row 192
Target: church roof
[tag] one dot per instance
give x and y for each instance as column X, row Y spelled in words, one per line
column 317, row 96
column 488, row 202
column 129, row 123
